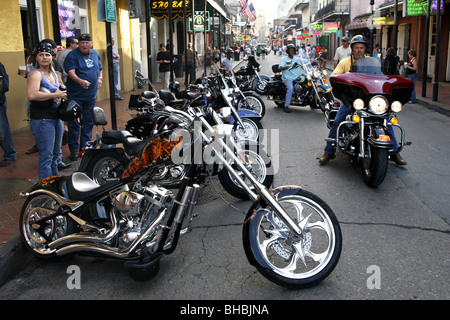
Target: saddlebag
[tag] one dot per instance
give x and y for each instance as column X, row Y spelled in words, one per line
column 273, row 88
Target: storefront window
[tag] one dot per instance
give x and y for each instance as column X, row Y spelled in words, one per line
column 69, row 18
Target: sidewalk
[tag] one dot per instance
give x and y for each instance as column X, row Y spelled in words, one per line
column 23, row 173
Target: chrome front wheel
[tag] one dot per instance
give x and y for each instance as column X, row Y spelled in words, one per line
column 291, row 260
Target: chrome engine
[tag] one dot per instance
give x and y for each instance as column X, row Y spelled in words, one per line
column 139, row 209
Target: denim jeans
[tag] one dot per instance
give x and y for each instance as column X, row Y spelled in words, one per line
column 289, row 90
column 116, row 71
column 413, row 78
column 6, row 141
column 340, row 116
column 77, row 138
column 48, row 135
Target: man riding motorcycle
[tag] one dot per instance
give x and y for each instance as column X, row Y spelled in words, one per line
column 358, row 45
column 290, row 66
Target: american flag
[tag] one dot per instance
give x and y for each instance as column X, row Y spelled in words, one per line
column 250, row 12
column 244, row 5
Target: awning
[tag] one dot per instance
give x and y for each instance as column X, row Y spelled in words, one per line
column 217, row 7
column 358, row 24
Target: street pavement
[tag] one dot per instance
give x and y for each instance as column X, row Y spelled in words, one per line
column 220, row 226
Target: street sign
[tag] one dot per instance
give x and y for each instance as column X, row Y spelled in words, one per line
column 111, row 11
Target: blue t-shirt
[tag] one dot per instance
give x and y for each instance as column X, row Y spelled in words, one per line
column 87, row 67
column 294, row 73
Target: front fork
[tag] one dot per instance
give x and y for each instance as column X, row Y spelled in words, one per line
column 262, row 191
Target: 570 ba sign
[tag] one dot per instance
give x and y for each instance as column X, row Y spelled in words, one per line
column 160, row 9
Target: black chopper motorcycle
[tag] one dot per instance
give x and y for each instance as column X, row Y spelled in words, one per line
column 290, row 235
column 374, row 100
column 248, row 77
column 105, row 158
column 310, row 88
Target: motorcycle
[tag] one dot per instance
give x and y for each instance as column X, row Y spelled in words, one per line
column 375, row 99
column 248, row 77
column 227, row 84
column 309, row 88
column 290, row 235
column 105, row 158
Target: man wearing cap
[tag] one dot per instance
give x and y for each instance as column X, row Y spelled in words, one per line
column 343, row 51
column 84, row 71
column 358, row 51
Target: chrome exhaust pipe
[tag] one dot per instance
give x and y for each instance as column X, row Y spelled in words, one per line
column 110, row 251
column 79, row 237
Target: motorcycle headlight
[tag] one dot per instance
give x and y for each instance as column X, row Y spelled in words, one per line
column 358, row 104
column 316, row 73
column 325, row 72
column 396, row 106
column 378, row 105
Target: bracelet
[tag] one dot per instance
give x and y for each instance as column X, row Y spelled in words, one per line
column 100, row 78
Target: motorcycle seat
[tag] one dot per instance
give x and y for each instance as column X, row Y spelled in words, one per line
column 80, row 186
column 186, row 95
column 114, row 136
column 133, row 145
column 277, row 77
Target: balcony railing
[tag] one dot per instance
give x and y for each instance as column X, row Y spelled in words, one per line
column 337, row 6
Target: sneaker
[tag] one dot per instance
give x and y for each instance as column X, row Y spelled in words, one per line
column 119, row 98
column 73, row 156
column 287, row 110
column 7, row 162
column 62, row 165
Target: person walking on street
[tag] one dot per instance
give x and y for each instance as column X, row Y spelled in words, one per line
column 6, row 142
column 44, row 95
column 84, row 71
column 189, row 64
column 163, row 59
column 116, row 70
column 411, row 71
column 343, row 51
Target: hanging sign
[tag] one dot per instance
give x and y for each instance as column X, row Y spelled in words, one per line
column 199, row 21
column 160, row 9
column 330, row 27
column 419, row 7
column 316, row 29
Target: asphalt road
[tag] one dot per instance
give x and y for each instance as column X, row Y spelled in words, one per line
column 395, row 237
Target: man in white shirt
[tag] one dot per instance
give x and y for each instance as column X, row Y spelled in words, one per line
column 343, row 51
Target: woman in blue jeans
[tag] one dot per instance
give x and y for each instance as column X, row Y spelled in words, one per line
column 411, row 71
column 44, row 95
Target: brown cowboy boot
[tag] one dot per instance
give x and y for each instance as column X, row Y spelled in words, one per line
column 397, row 158
column 326, row 158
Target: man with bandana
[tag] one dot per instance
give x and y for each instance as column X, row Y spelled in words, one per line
column 84, row 71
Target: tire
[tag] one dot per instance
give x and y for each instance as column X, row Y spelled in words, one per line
column 250, row 130
column 374, row 167
column 291, row 261
column 253, row 103
column 260, row 86
column 261, row 167
column 106, row 165
column 56, row 228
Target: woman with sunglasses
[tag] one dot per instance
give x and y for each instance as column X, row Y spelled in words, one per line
column 44, row 95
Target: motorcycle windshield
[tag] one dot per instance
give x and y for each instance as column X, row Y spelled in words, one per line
column 366, row 79
column 367, row 65
column 307, row 66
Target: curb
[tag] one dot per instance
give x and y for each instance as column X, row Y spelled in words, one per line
column 13, row 258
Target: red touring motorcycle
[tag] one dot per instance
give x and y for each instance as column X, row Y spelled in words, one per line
column 374, row 99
